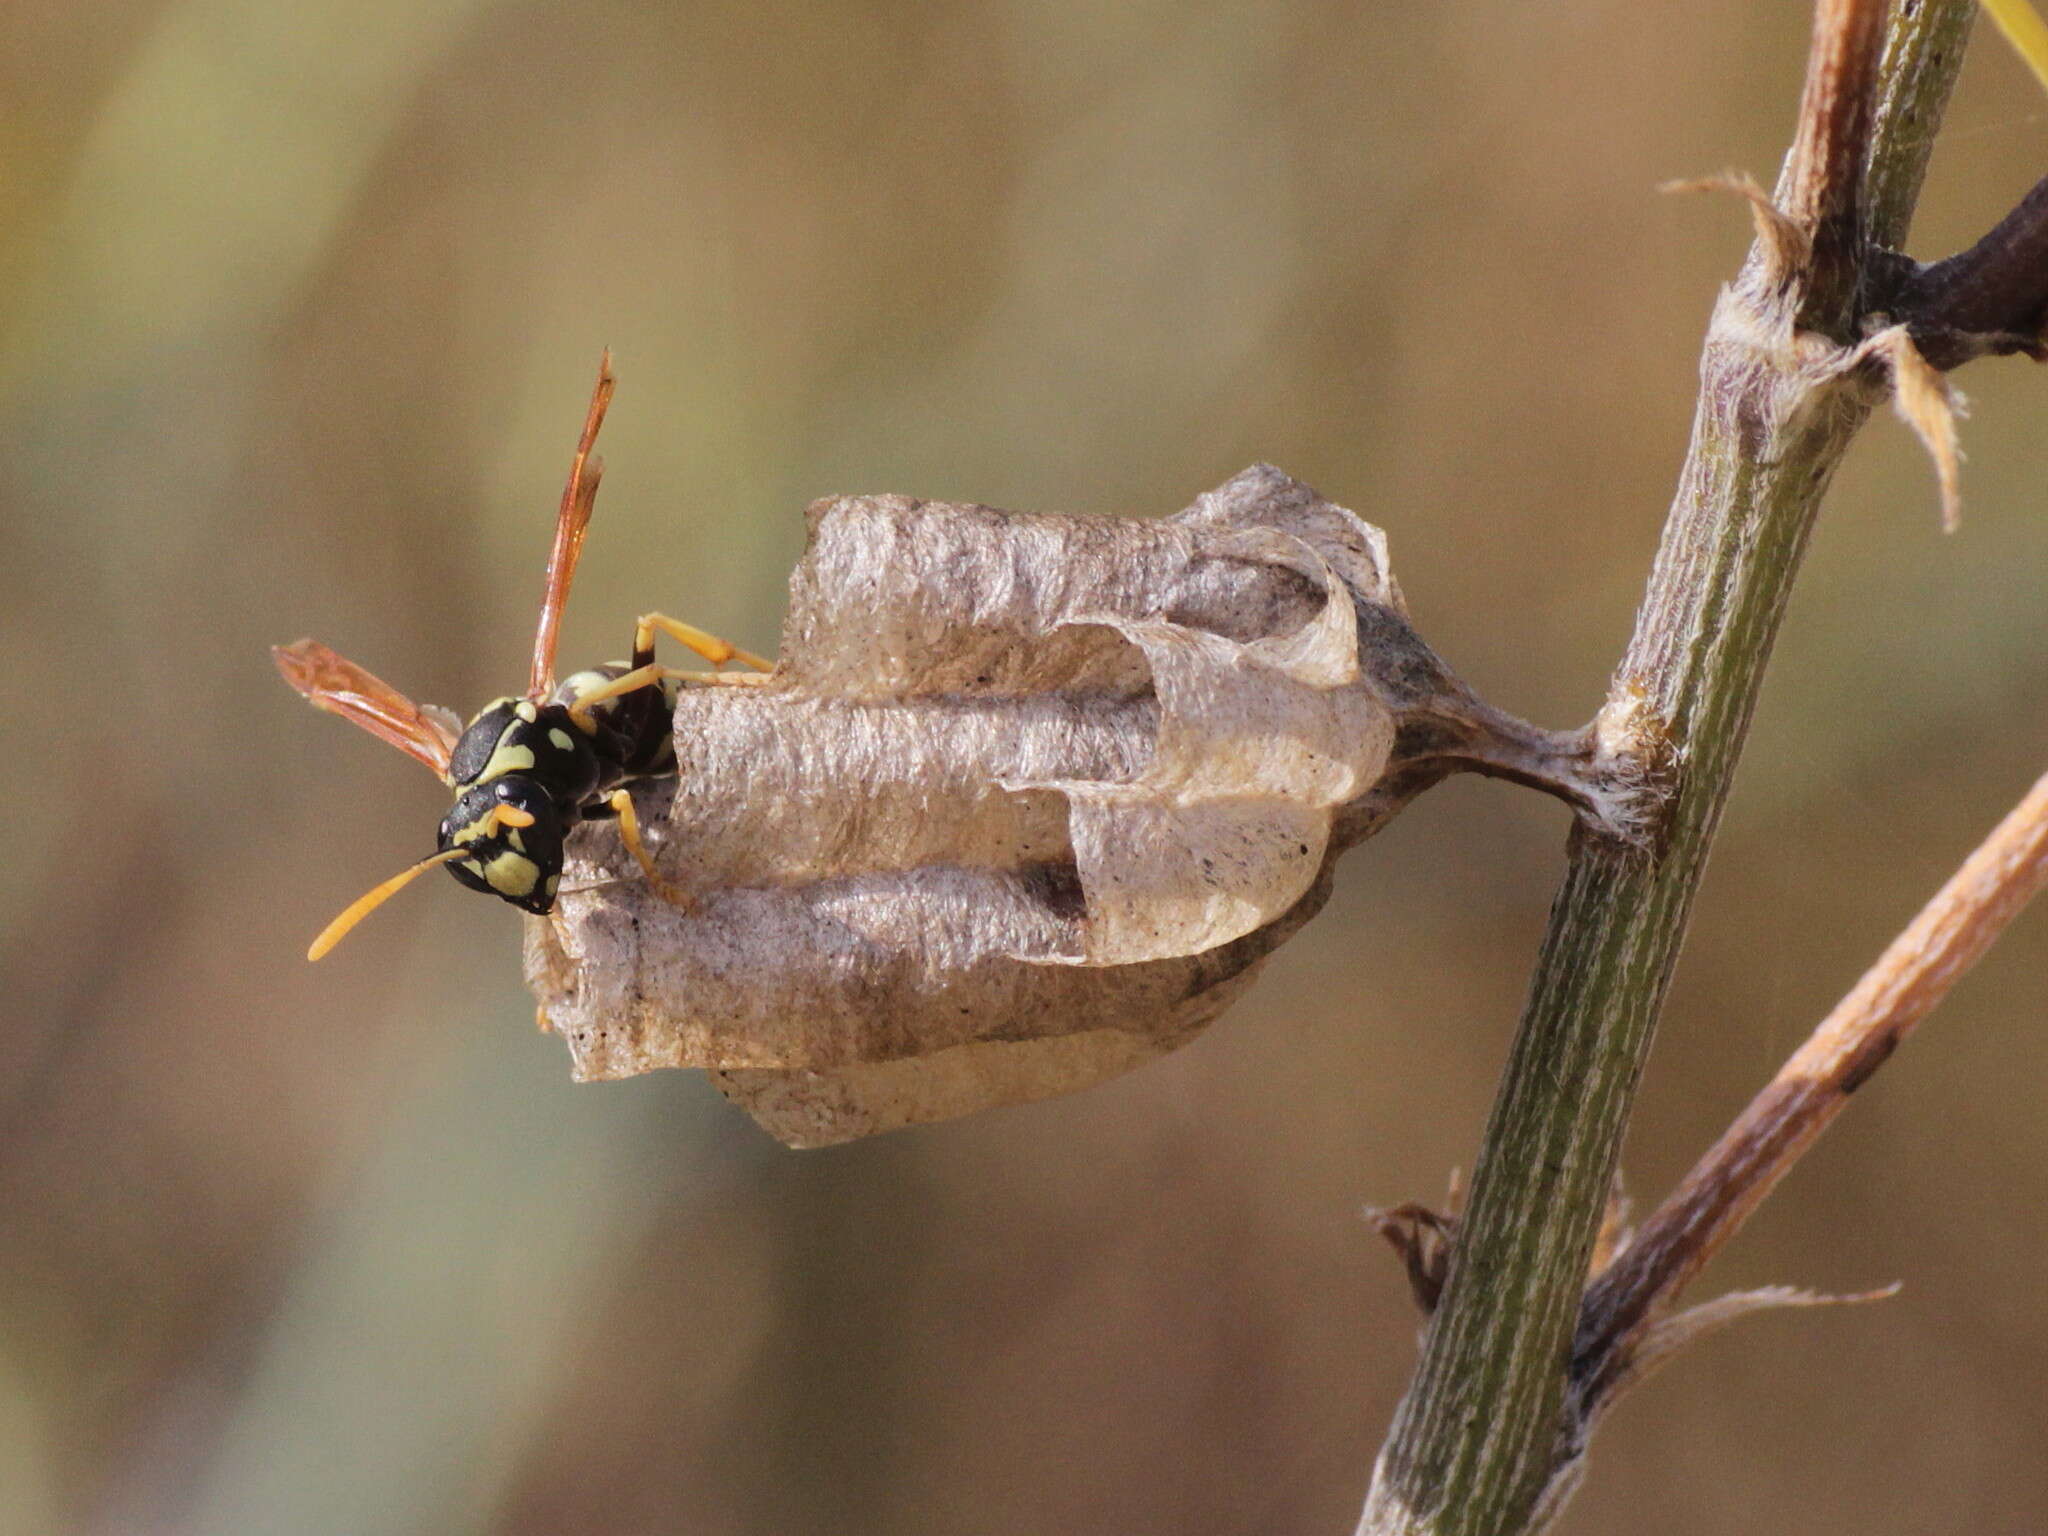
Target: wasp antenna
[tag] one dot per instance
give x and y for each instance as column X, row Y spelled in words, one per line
column 374, row 898
column 579, row 496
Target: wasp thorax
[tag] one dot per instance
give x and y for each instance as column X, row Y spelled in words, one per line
column 513, row 836
column 517, row 736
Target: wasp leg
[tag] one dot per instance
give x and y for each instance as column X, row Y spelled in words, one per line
column 640, row 677
column 629, row 833
column 710, row 647
column 729, row 679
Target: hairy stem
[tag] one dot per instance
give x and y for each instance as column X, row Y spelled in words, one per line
column 1478, row 1447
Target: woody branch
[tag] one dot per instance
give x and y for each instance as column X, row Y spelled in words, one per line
column 1824, row 316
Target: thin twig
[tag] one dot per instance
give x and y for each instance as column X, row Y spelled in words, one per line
column 1914, row 974
column 1991, row 298
column 1821, row 187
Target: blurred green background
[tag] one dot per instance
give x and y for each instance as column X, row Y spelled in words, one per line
column 299, row 307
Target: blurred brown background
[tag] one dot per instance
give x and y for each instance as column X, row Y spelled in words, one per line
column 298, row 311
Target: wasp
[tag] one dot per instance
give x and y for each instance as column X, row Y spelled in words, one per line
column 527, row 771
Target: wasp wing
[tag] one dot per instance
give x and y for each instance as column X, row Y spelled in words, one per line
column 339, row 686
column 579, row 497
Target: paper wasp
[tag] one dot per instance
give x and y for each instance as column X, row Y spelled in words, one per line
column 528, row 770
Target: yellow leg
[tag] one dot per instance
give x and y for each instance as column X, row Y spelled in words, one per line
column 710, row 647
column 629, row 833
column 639, row 677
column 728, row 679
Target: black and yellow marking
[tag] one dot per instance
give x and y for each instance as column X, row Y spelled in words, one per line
column 527, row 771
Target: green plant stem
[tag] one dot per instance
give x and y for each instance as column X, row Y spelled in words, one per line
column 1477, row 1447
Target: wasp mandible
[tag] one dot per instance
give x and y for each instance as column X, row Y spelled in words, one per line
column 528, row 770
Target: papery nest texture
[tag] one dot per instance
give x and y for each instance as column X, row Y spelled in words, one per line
column 1026, row 801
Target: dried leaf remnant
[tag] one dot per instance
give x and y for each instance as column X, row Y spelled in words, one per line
column 1026, row 802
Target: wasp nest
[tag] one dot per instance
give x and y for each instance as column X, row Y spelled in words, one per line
column 1026, row 801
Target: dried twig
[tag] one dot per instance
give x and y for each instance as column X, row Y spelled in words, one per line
column 1914, row 974
column 1821, row 186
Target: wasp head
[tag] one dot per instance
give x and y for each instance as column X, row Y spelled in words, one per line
column 512, row 835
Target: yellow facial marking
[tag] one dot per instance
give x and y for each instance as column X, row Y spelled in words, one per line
column 512, row 874
column 554, row 881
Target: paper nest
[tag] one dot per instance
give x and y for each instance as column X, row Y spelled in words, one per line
column 1027, row 801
